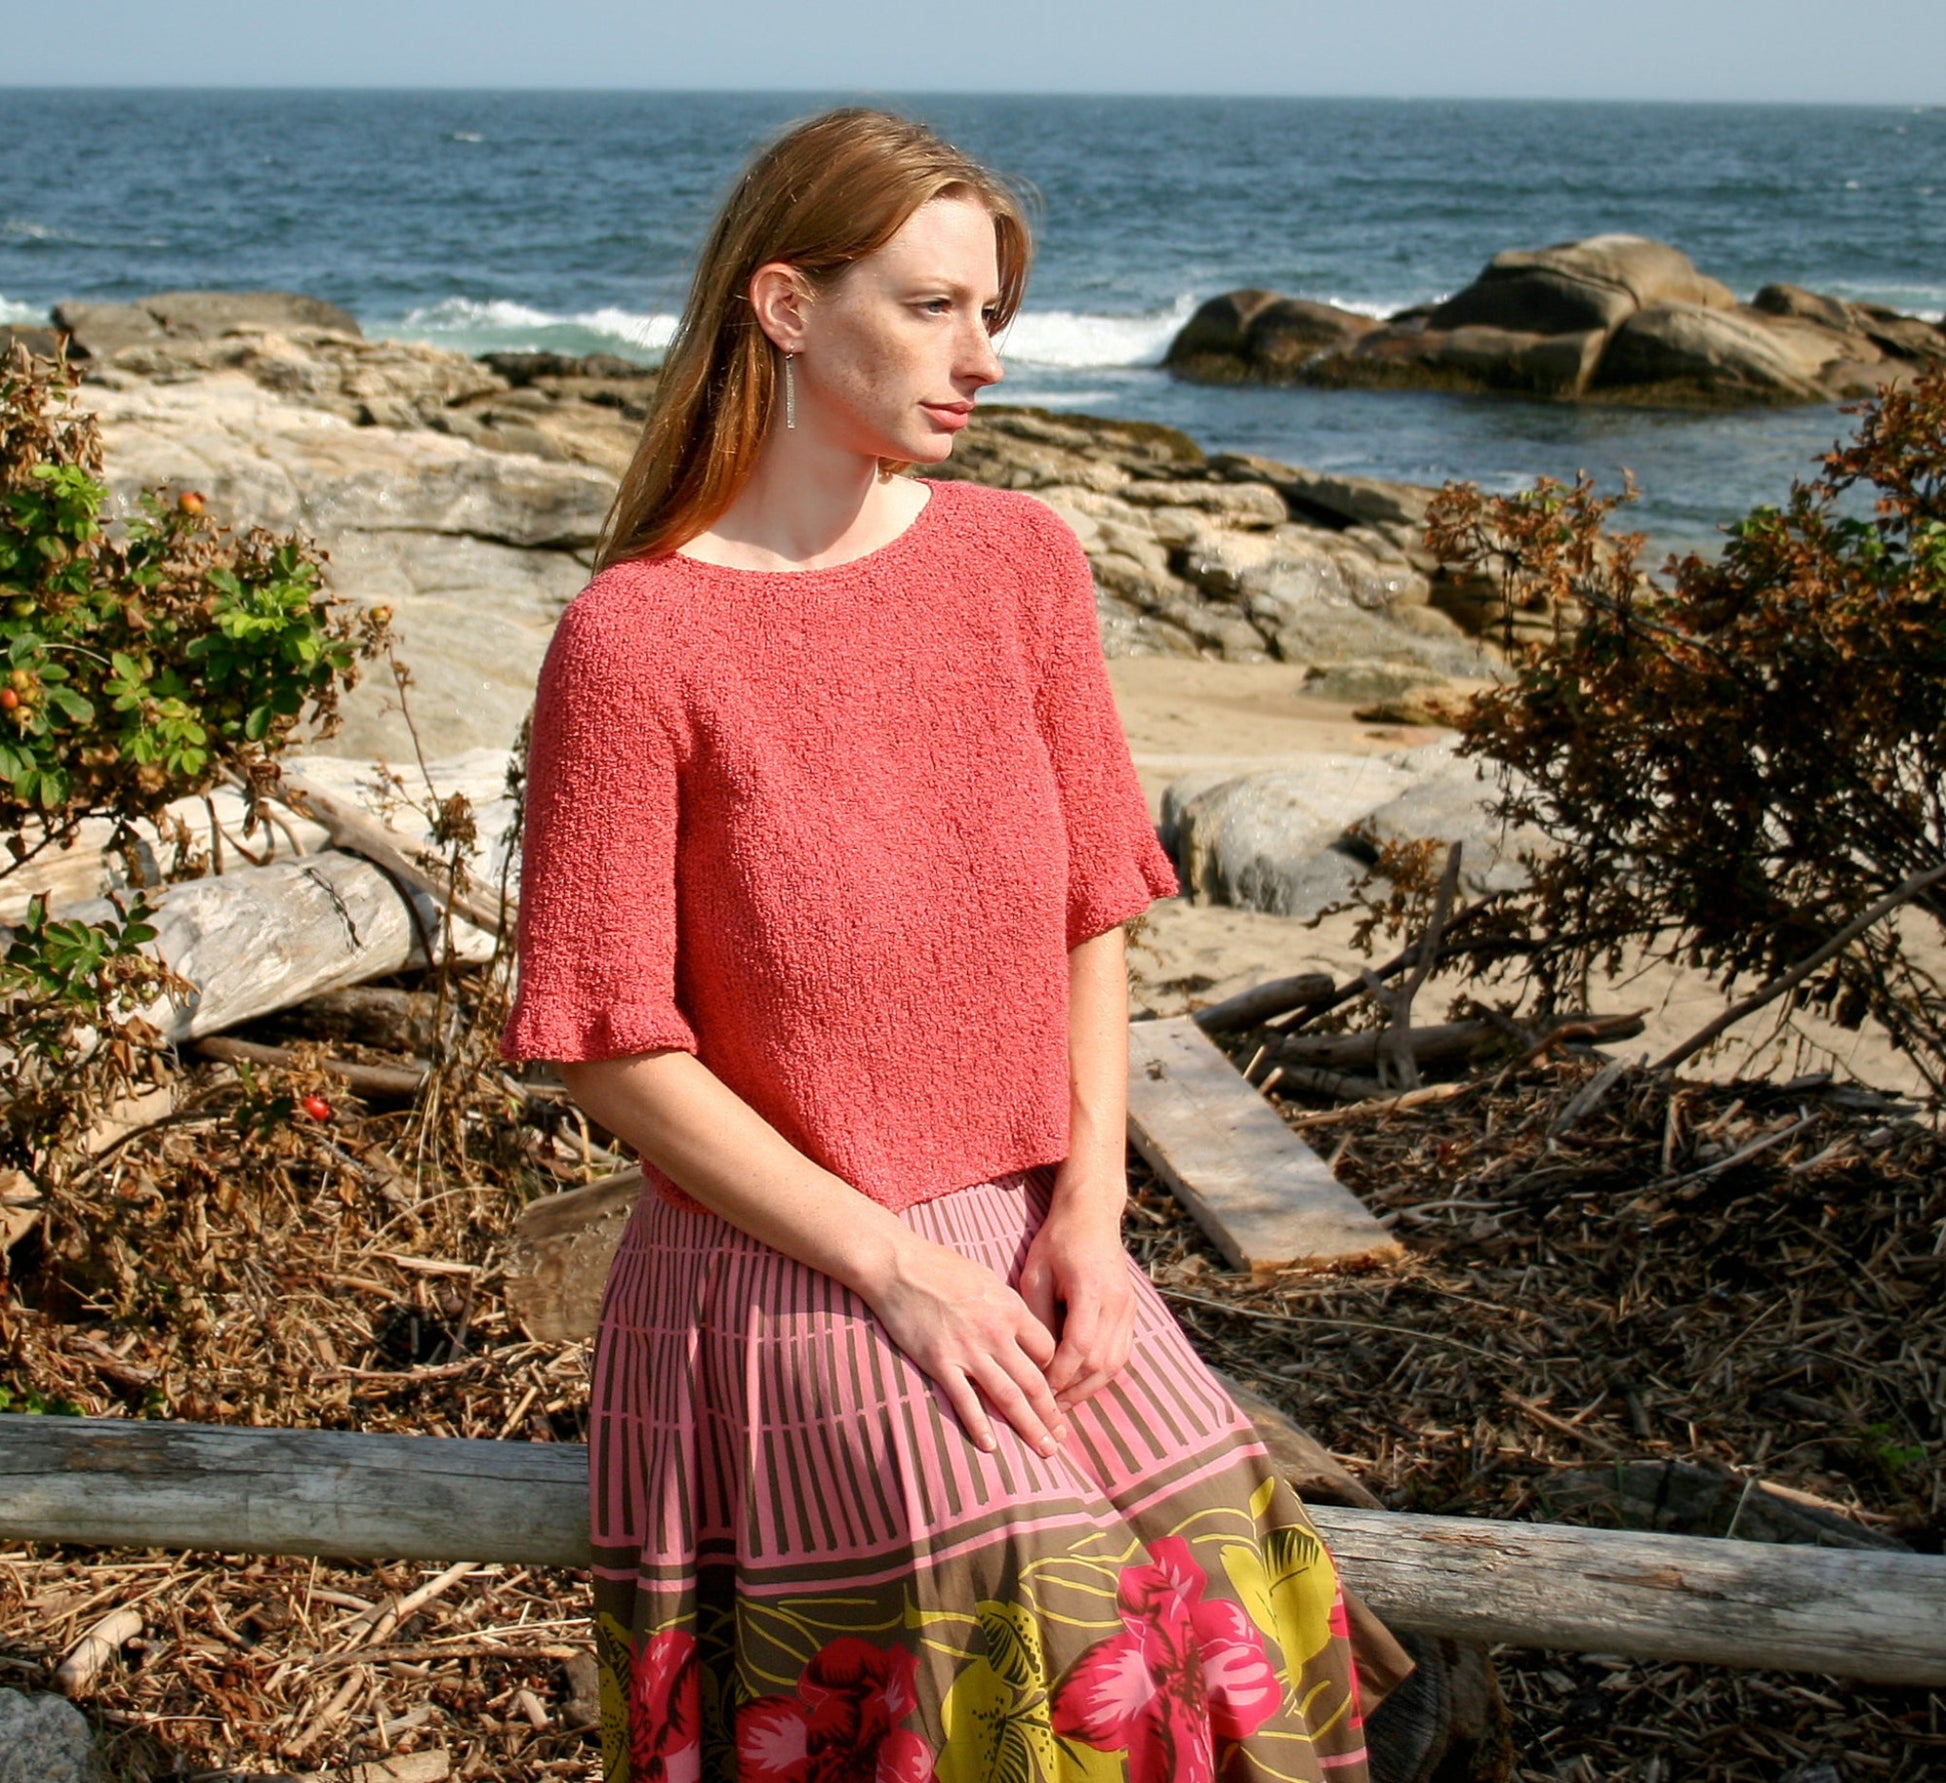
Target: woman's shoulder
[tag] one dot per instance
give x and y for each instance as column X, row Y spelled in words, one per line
column 1009, row 521
column 633, row 601
column 625, row 623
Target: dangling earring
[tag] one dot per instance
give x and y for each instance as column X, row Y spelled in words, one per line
column 790, row 392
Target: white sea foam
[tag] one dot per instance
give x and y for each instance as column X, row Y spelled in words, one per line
column 26, row 229
column 1075, row 339
column 457, row 315
column 25, row 313
column 651, row 333
column 466, row 136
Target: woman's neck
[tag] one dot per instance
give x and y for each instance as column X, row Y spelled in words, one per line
column 808, row 507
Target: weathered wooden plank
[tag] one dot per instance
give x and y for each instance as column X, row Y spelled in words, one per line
column 1265, row 1198
column 346, row 1494
column 128, row 1483
column 1849, row 1612
column 558, row 1259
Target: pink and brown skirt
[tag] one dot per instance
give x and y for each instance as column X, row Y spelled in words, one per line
column 805, row 1571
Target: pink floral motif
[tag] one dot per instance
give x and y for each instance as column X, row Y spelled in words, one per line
column 841, row 1727
column 1182, row 1674
column 665, row 1711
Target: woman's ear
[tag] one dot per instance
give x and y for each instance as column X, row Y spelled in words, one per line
column 780, row 298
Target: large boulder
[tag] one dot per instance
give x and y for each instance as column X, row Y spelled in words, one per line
column 475, row 550
column 1682, row 350
column 1264, row 841
column 1615, row 317
column 1578, row 285
column 1330, row 498
column 1410, row 355
column 1256, row 336
column 45, row 1739
column 1449, row 805
column 1868, row 331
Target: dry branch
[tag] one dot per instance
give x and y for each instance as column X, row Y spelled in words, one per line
column 360, row 833
column 1903, row 894
column 1851, row 1613
column 1447, row 1043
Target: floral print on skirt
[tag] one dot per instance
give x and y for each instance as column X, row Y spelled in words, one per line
column 806, row 1572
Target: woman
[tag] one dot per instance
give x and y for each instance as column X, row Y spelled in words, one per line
column 900, row 1466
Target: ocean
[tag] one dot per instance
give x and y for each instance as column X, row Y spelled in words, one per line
column 566, row 220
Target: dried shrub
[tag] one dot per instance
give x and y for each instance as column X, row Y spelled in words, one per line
column 1734, row 763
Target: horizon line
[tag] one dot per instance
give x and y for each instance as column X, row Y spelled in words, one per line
column 1229, row 95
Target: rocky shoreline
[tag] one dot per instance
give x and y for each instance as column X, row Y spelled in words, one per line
column 1614, row 318
column 467, row 494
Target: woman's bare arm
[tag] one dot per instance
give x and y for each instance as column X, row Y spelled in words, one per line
column 1094, row 1176
column 1075, row 1275
column 952, row 1315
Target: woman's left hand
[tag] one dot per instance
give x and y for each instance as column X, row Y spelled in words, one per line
column 1075, row 1279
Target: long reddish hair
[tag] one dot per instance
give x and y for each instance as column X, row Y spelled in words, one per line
column 829, row 191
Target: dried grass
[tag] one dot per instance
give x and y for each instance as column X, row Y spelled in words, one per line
column 1631, row 1290
column 1741, row 1277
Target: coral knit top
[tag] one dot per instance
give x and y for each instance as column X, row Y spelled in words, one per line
column 834, row 831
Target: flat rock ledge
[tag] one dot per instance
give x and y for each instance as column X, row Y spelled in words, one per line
column 467, row 495
column 1613, row 318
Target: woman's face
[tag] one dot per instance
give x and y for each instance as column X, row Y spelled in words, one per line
column 892, row 351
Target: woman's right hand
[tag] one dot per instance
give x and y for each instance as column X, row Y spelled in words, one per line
column 976, row 1337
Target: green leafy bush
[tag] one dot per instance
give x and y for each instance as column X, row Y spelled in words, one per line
column 136, row 668
column 142, row 668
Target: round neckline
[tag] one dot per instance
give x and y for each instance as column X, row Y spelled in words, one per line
column 872, row 557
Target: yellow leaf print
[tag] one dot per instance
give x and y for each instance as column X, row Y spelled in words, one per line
column 995, row 1715
column 1287, row 1585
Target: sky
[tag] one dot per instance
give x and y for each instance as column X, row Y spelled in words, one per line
column 1737, row 50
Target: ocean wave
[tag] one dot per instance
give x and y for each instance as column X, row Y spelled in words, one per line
column 1068, row 339
column 652, row 333
column 26, row 229
column 511, row 324
column 458, row 315
column 1078, row 340
column 28, row 314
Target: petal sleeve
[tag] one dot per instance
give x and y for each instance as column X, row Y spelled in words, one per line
column 597, row 930
column 1116, row 863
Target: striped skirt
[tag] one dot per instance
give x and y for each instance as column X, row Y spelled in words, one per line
column 805, row 1571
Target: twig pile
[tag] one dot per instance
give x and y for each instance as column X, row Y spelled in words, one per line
column 1612, row 1298
column 1610, row 1270
column 246, row 1261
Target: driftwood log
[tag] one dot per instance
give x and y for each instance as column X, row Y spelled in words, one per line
column 137, row 1483
column 261, row 938
column 1446, row 1043
column 1254, row 1007
column 258, row 941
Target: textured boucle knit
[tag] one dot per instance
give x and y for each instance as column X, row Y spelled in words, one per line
column 834, row 831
